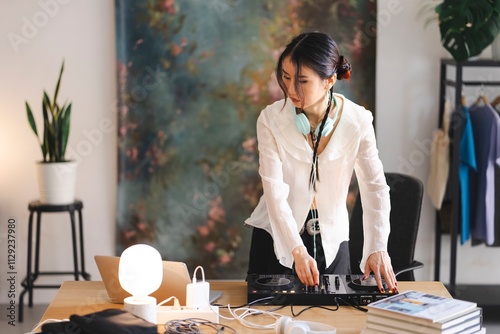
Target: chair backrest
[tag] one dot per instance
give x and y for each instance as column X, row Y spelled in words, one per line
column 406, row 202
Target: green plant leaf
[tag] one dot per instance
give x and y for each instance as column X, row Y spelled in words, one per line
column 56, row 93
column 47, row 140
column 47, row 130
column 65, row 127
column 468, row 27
column 32, row 123
column 31, row 119
column 55, row 125
column 47, row 103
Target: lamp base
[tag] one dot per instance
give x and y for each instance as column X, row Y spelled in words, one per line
column 144, row 307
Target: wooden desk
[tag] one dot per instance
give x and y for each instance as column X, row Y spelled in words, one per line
column 83, row 297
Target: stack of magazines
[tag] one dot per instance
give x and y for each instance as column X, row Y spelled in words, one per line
column 418, row 312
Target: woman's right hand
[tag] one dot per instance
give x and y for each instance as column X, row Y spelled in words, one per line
column 305, row 266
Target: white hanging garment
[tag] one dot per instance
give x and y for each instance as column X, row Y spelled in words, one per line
column 440, row 161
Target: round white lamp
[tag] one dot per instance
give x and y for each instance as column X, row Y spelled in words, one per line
column 140, row 273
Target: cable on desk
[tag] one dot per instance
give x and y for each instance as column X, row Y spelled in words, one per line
column 357, row 307
column 248, row 311
column 251, row 303
column 194, row 325
column 46, row 321
column 315, row 306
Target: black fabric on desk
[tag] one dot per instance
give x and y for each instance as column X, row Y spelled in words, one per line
column 110, row 321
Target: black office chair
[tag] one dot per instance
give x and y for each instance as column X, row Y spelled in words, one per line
column 406, row 202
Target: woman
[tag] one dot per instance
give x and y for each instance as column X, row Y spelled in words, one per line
column 309, row 145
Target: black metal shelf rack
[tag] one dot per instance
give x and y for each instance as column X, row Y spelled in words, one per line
column 484, row 295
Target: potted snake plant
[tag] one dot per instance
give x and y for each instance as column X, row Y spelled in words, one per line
column 56, row 175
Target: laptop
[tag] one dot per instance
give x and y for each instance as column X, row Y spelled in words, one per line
column 175, row 279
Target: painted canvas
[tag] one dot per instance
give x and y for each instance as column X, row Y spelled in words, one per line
column 193, row 75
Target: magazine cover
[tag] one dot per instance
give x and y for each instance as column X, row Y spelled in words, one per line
column 414, row 304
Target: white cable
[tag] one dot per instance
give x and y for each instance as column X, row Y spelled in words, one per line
column 45, row 322
column 202, row 274
column 247, row 311
column 177, row 305
column 252, row 303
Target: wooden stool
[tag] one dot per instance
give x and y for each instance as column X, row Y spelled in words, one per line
column 28, row 283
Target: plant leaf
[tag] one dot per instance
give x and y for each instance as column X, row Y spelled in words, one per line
column 47, row 140
column 56, row 93
column 65, row 127
column 31, row 119
column 47, row 103
column 32, row 123
column 55, row 123
column 468, row 27
column 47, row 148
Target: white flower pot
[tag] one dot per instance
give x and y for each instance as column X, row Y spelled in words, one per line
column 56, row 182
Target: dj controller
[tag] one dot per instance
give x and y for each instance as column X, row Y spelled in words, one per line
column 332, row 290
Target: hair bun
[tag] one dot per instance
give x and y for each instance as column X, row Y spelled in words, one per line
column 343, row 68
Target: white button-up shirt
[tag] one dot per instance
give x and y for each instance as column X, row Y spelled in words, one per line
column 285, row 159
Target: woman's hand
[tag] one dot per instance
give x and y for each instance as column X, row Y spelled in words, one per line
column 380, row 264
column 305, row 266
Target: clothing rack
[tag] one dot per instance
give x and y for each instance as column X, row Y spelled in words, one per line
column 484, row 295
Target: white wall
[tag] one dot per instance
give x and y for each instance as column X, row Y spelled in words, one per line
column 36, row 36
column 83, row 33
column 408, row 57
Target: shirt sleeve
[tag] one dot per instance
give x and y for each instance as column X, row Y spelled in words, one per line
column 374, row 193
column 283, row 225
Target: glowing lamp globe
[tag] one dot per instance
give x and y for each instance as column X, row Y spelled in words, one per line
column 140, row 273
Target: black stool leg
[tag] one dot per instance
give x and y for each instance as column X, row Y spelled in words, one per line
column 85, row 275
column 37, row 255
column 28, row 282
column 73, row 236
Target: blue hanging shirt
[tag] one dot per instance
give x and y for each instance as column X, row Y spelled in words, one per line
column 467, row 161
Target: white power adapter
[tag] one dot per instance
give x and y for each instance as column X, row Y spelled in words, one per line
column 198, row 293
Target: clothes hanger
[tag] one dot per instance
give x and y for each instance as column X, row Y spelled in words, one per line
column 463, row 100
column 495, row 101
column 481, row 97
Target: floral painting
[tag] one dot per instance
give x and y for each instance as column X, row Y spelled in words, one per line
column 193, row 75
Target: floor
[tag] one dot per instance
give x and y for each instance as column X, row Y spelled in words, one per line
column 32, row 315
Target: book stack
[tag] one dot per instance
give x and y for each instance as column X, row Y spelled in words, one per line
column 418, row 312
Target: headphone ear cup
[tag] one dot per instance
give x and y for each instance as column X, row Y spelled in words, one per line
column 287, row 325
column 327, row 128
column 297, row 327
column 302, row 124
column 281, row 324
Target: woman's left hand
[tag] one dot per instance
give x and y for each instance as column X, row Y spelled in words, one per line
column 380, row 264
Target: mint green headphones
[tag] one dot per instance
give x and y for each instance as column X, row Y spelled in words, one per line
column 304, row 127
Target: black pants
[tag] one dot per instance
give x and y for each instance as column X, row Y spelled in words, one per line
column 263, row 260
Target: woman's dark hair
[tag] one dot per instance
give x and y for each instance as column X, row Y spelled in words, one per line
column 319, row 52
